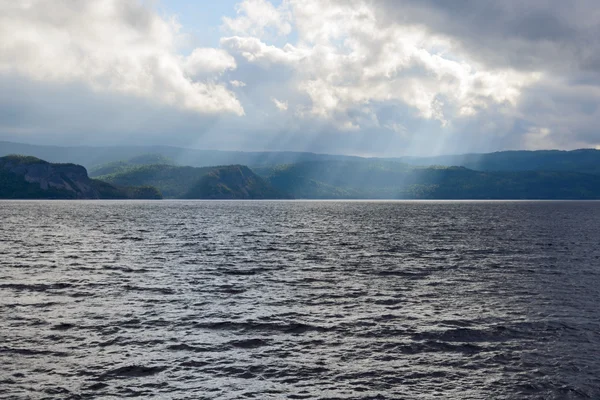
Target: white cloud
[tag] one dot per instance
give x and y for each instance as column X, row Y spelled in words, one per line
column 237, row 83
column 281, row 105
column 110, row 45
column 205, row 62
column 346, row 60
column 254, row 50
column 257, row 17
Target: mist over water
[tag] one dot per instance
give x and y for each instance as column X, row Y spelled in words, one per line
column 299, row 299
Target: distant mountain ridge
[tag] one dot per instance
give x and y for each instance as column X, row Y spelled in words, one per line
column 92, row 157
column 551, row 174
column 28, row 177
column 378, row 179
column 582, row 160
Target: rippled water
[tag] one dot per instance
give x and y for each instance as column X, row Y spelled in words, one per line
column 271, row 300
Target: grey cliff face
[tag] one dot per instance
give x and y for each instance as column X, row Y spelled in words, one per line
column 70, row 177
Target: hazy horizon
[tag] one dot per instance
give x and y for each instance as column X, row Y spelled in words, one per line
column 148, row 147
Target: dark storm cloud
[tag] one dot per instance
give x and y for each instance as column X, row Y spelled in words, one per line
column 535, row 34
column 559, row 39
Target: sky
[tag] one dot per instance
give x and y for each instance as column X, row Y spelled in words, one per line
column 360, row 77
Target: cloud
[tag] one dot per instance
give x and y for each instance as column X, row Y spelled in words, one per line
column 259, row 17
column 387, row 77
column 536, row 138
column 552, row 35
column 281, row 105
column 495, row 75
column 206, row 62
column 346, row 60
column 254, row 50
column 557, row 39
column 111, row 45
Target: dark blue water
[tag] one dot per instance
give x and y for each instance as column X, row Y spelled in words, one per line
column 272, row 300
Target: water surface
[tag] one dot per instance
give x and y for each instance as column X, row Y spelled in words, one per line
column 315, row 300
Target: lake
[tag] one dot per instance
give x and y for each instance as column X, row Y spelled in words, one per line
column 299, row 299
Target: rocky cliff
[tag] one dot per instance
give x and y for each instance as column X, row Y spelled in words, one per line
column 25, row 177
column 69, row 178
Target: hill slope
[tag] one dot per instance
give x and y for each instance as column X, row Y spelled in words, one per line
column 390, row 180
column 223, row 182
column 123, row 166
